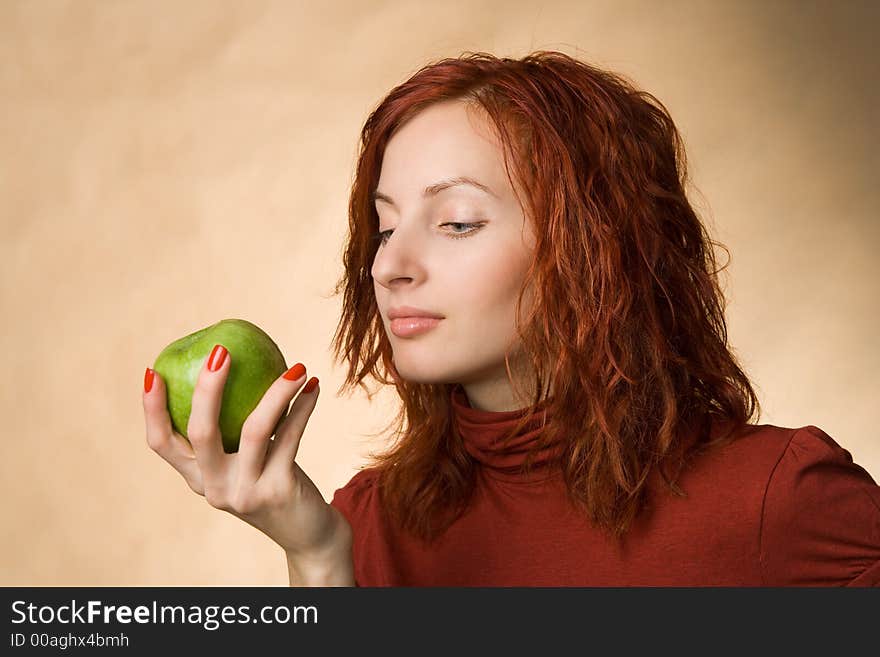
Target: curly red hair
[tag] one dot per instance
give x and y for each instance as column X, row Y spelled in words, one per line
column 627, row 308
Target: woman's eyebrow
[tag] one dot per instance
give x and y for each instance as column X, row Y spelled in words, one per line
column 437, row 187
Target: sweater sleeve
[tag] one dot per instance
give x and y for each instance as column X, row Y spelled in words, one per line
column 820, row 522
column 351, row 501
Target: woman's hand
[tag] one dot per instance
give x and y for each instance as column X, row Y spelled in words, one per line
column 261, row 484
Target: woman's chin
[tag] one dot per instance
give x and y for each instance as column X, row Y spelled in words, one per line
column 422, row 374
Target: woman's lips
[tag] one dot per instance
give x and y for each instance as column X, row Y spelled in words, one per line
column 405, row 327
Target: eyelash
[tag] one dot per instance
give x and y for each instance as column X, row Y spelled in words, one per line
column 382, row 239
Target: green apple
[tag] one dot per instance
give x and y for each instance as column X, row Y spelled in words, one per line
column 256, row 363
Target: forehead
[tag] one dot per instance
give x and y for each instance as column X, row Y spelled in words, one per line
column 444, row 140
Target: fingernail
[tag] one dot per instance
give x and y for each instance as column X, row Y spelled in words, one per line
column 148, row 380
column 295, row 372
column 311, row 385
column 217, row 358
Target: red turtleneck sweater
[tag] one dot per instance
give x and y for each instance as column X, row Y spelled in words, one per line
column 777, row 507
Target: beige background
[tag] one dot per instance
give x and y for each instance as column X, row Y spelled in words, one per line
column 164, row 165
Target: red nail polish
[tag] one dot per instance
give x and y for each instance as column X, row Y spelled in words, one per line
column 217, row 358
column 295, row 372
column 311, row 385
column 148, row 380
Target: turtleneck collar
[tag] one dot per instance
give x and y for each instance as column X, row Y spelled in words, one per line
column 483, row 431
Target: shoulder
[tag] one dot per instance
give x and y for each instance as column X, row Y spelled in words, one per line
column 362, row 478
column 820, row 515
column 738, row 470
column 766, row 453
column 795, row 494
column 353, row 498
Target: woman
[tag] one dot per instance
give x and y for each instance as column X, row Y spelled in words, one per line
column 525, row 268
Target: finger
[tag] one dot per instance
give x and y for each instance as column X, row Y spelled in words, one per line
column 203, row 428
column 161, row 436
column 286, row 443
column 262, row 422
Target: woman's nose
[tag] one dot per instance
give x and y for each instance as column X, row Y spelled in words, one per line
column 401, row 255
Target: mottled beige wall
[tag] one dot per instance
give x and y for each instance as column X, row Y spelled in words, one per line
column 164, row 165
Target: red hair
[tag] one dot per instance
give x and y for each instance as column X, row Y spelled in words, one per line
column 628, row 307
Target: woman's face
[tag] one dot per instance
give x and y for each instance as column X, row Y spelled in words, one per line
column 469, row 274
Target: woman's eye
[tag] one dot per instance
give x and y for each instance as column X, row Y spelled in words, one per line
column 457, row 235
column 383, row 236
